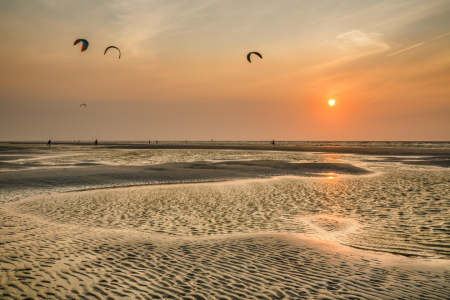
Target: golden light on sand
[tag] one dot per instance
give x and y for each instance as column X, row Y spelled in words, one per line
column 331, row 102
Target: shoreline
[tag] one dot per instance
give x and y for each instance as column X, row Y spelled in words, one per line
column 368, row 150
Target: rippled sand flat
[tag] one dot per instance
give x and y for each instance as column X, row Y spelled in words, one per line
column 400, row 212
column 338, row 226
column 46, row 260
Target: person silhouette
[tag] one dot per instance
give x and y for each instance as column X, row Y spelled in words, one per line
column 96, row 142
column 273, row 142
column 49, row 143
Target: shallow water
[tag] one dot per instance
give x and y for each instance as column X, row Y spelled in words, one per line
column 74, row 156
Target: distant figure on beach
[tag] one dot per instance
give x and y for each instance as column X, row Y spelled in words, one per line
column 273, row 142
column 96, row 142
column 49, row 143
column 156, row 142
column 149, row 142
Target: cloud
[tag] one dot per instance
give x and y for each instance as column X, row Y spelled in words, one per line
column 358, row 42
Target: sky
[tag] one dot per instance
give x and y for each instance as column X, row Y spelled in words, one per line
column 183, row 73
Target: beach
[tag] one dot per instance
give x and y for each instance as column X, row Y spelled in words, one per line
column 212, row 220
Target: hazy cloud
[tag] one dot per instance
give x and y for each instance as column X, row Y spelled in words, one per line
column 359, row 42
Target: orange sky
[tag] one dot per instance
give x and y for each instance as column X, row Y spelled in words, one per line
column 183, row 73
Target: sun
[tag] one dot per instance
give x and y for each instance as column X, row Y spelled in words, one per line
column 331, row 102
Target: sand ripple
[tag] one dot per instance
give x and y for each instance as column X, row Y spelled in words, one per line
column 401, row 213
column 49, row 261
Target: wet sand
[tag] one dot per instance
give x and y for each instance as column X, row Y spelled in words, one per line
column 378, row 150
column 80, row 224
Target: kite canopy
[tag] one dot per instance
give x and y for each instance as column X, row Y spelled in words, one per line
column 85, row 44
column 115, row 48
column 82, row 105
column 248, row 56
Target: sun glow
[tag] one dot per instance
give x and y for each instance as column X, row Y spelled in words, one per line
column 331, row 102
